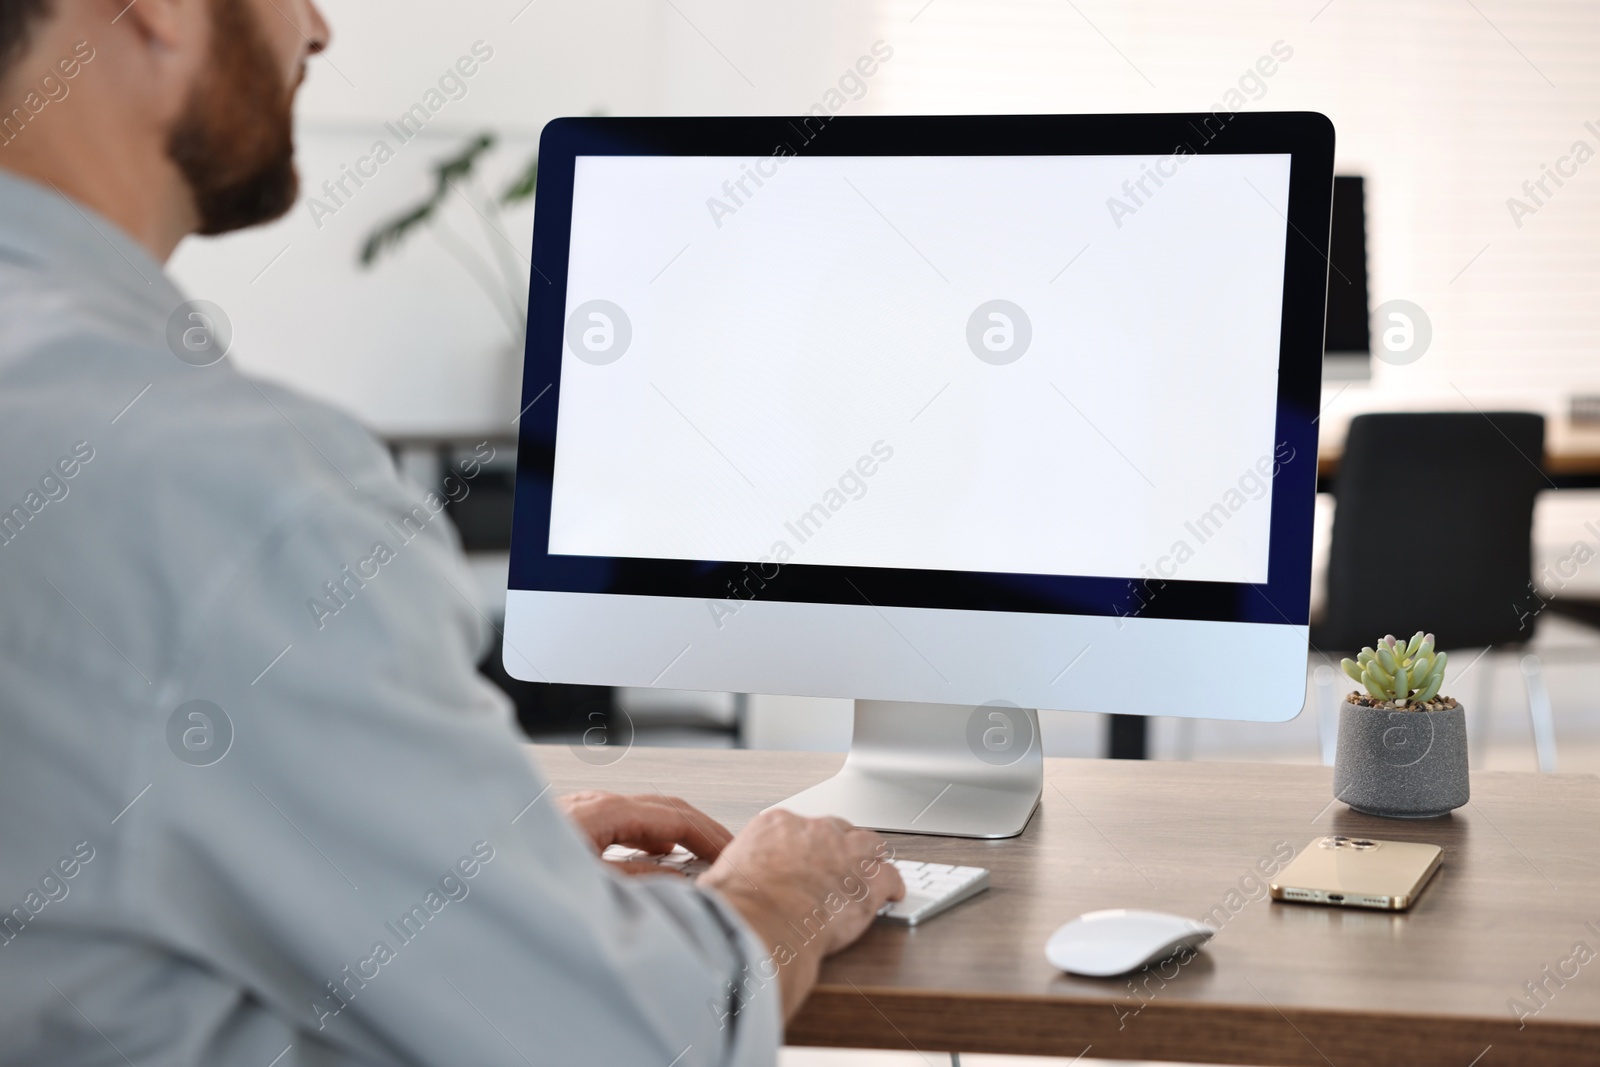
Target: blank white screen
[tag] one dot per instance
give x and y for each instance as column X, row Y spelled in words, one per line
column 774, row 347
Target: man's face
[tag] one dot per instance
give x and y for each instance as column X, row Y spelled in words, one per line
column 234, row 141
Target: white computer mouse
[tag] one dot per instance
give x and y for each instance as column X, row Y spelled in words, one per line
column 1119, row 940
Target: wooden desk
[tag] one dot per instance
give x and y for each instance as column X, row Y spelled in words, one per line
column 1280, row 984
column 1571, row 451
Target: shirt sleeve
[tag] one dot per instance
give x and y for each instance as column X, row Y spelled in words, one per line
column 375, row 856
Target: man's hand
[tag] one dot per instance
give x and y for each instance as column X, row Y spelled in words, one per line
column 809, row 887
column 651, row 822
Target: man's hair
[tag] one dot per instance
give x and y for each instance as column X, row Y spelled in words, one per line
column 17, row 19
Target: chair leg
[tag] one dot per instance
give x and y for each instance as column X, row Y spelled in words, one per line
column 1541, row 713
column 1185, row 743
column 1478, row 714
column 741, row 715
column 1323, row 679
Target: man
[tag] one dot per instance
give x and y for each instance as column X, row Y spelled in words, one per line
column 232, row 833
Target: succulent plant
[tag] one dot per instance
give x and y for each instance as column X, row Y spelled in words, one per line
column 1400, row 672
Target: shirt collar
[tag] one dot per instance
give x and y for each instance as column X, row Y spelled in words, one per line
column 41, row 227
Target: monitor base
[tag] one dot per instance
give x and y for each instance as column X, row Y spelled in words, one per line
column 947, row 769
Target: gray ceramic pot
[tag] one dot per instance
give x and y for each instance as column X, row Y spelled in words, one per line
column 1402, row 764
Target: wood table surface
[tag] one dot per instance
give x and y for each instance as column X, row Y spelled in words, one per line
column 1518, row 892
column 1571, row 449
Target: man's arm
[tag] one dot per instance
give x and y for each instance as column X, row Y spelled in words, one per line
column 377, row 858
column 808, row 887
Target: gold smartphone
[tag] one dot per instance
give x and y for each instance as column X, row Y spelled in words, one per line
column 1358, row 872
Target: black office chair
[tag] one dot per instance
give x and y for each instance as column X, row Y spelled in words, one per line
column 1433, row 531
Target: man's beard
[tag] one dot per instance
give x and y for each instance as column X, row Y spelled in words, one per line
column 234, row 141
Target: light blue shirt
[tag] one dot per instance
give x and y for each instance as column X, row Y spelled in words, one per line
column 342, row 854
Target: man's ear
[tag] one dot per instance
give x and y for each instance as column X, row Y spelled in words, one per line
column 169, row 42
column 176, row 26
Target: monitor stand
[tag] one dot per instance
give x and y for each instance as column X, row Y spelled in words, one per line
column 950, row 769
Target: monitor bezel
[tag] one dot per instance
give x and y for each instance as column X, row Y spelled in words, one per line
column 1307, row 137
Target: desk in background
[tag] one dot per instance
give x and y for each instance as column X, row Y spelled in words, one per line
column 1571, row 451
column 1280, row 984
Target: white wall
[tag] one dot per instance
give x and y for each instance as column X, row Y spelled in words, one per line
column 1446, row 106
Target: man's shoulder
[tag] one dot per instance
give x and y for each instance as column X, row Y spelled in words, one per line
column 67, row 353
column 173, row 442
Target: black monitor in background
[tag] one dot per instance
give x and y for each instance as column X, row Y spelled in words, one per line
column 1348, row 342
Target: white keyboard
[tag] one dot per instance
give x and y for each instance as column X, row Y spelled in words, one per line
column 931, row 888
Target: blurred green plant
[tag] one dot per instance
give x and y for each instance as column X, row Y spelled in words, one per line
column 1404, row 674
column 505, row 283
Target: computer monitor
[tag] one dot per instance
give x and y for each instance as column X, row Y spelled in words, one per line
column 1348, row 348
column 961, row 417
